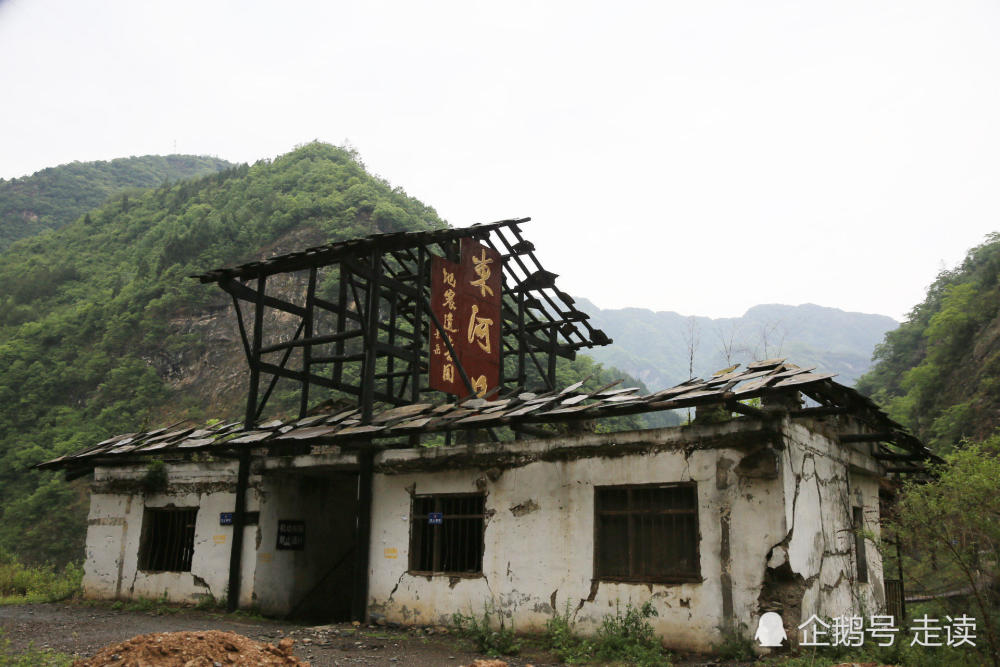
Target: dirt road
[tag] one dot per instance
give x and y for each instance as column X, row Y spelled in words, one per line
column 77, row 628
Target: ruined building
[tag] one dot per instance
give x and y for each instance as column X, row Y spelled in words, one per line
column 459, row 476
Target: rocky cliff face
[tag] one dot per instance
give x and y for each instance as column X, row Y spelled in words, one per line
column 211, row 372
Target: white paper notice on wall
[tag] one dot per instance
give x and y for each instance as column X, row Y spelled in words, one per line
column 391, row 553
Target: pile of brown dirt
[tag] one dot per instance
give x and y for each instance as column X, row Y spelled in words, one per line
column 209, row 648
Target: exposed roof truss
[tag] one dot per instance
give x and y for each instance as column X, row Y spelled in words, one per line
column 360, row 318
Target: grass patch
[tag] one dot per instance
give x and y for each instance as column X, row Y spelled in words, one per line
column 493, row 639
column 32, row 657
column 735, row 645
column 161, row 606
column 624, row 638
column 21, row 584
column 900, row 653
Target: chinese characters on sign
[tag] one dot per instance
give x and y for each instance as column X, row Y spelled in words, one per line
column 465, row 298
column 291, row 535
column 851, row 631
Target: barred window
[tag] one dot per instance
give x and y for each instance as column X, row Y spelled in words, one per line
column 446, row 534
column 647, row 533
column 861, row 558
column 167, row 542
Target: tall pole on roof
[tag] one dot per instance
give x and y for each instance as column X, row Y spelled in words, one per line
column 243, row 469
column 366, row 455
column 258, row 325
column 307, row 348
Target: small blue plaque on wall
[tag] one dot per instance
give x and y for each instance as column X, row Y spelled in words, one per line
column 435, row 518
column 225, row 518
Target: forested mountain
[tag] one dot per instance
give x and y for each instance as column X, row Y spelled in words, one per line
column 53, row 197
column 939, row 372
column 102, row 331
column 656, row 346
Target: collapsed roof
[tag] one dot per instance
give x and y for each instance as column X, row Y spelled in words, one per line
column 770, row 380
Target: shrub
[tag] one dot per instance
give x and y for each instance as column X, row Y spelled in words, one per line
column 20, row 583
column 629, row 637
column 489, row 641
column 561, row 640
column 735, row 645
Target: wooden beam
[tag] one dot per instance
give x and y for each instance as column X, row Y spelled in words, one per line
column 388, row 282
column 307, row 321
column 884, row 436
column 325, row 382
column 254, row 360
column 274, row 379
column 820, row 411
column 338, row 369
column 241, row 291
column 339, row 358
column 532, row 430
column 241, row 326
column 362, row 534
column 746, row 410
column 896, row 457
column 239, row 521
column 313, row 340
column 371, row 342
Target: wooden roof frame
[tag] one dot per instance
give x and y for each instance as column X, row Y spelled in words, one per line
column 369, row 340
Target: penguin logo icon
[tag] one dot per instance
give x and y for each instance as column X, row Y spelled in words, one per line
column 770, row 630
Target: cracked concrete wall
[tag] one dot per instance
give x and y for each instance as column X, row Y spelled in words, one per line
column 114, row 532
column 813, row 569
column 775, row 506
column 539, row 542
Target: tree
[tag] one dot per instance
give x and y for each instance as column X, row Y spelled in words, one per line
column 728, row 335
column 950, row 526
column 691, row 341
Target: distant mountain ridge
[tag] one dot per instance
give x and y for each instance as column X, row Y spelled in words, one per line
column 654, row 346
column 56, row 196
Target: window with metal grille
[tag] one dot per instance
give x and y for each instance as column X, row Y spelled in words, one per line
column 646, row 533
column 446, row 534
column 167, row 539
column 859, row 544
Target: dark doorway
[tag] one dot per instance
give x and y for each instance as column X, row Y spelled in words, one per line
column 323, row 559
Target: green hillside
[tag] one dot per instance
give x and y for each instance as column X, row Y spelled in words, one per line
column 939, row 372
column 654, row 346
column 53, row 197
column 102, row 331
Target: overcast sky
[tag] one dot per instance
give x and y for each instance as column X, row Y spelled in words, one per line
column 694, row 156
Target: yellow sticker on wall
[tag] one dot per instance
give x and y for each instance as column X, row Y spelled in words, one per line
column 219, row 539
column 391, row 553
column 264, row 557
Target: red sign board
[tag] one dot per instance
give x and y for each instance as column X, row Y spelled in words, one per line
column 465, row 298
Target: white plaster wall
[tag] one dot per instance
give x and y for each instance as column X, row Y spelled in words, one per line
column 547, row 555
column 823, row 480
column 115, row 529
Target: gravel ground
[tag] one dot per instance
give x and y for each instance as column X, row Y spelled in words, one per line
column 82, row 629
